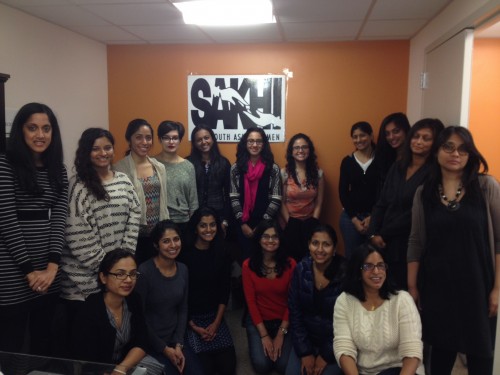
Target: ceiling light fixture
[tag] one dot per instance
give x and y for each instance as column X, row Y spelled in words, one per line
column 226, row 12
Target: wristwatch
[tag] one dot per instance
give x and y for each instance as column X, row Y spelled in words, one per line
column 283, row 330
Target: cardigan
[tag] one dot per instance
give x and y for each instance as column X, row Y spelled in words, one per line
column 93, row 336
column 127, row 166
column 267, row 201
column 379, row 339
column 94, row 228
column 31, row 232
column 491, row 193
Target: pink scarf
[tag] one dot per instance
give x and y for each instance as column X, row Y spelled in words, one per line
column 251, row 181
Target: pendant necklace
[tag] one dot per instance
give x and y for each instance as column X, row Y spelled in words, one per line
column 452, row 205
column 266, row 270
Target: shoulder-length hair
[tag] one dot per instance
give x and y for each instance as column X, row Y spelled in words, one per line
column 476, row 163
column 133, row 126
column 160, row 228
column 435, row 125
column 256, row 259
column 216, row 159
column 336, row 268
column 312, row 173
column 107, row 263
column 83, row 165
column 19, row 154
column 242, row 155
column 353, row 283
column 384, row 152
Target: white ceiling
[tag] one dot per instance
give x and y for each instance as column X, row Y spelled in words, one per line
column 158, row 21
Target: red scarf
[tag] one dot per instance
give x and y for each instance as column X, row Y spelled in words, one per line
column 251, row 181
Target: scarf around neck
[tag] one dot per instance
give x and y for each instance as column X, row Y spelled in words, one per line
column 251, row 184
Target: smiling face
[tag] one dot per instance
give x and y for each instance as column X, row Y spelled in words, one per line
column 361, row 140
column 170, row 142
column 254, row 144
column 321, row 248
column 120, row 288
column 102, row 153
column 300, row 150
column 169, row 245
column 203, row 141
column 206, row 229
column 269, row 241
column 37, row 133
column 375, row 278
column 141, row 141
column 421, row 142
column 394, row 135
column 456, row 160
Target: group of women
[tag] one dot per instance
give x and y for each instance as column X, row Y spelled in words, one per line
column 419, row 203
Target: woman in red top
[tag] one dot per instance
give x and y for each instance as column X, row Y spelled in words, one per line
column 266, row 279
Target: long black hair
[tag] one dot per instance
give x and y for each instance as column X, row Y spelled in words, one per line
column 312, row 169
column 256, row 260
column 216, row 158
column 83, row 165
column 133, row 126
column 476, row 164
column 385, row 154
column 353, row 283
column 242, row 155
column 21, row 158
column 435, row 125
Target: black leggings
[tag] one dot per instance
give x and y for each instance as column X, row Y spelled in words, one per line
column 220, row 362
column 442, row 362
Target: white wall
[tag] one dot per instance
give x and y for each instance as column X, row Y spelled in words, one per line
column 457, row 16
column 57, row 67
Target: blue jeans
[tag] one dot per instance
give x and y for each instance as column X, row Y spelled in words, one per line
column 352, row 238
column 192, row 365
column 295, row 364
column 260, row 363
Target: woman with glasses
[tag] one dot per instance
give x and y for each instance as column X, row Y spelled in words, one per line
column 33, row 206
column 390, row 222
column 316, row 284
column 391, row 139
column 358, row 185
column 182, row 198
column 303, row 187
column 266, row 280
column 212, row 173
column 255, row 185
column 163, row 287
column 110, row 326
column 454, row 255
column 209, row 269
column 377, row 329
column 150, row 183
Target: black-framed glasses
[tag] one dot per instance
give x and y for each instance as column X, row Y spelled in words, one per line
column 173, row 139
column 301, row 148
column 450, row 148
column 257, row 142
column 370, row 266
column 123, row 275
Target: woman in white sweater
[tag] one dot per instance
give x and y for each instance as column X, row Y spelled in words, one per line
column 377, row 330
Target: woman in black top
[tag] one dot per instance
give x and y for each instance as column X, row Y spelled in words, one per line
column 33, row 206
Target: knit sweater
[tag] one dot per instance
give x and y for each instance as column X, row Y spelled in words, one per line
column 31, row 232
column 182, row 196
column 94, row 228
column 380, row 339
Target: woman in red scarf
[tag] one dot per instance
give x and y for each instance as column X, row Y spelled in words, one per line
column 255, row 185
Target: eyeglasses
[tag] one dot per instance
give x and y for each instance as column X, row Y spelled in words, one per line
column 123, row 276
column 370, row 266
column 267, row 237
column 203, row 139
column 450, row 148
column 166, row 138
column 300, row 148
column 257, row 142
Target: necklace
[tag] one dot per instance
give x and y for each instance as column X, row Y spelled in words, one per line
column 268, row 270
column 454, row 204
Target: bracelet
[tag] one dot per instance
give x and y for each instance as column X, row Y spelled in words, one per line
column 283, row 330
column 373, row 235
column 179, row 345
column 263, row 336
column 119, row 371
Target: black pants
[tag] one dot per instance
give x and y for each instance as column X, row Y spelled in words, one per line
column 442, row 362
column 221, row 362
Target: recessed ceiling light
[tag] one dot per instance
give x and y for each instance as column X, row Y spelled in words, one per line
column 226, row 12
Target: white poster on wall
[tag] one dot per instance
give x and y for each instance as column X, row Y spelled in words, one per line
column 230, row 104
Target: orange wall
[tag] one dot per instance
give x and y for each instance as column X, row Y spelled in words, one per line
column 334, row 85
column 485, row 101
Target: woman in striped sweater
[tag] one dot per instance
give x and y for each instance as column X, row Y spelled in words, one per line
column 33, row 203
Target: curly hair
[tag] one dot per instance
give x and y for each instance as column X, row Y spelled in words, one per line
column 83, row 165
column 242, row 155
column 312, row 169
